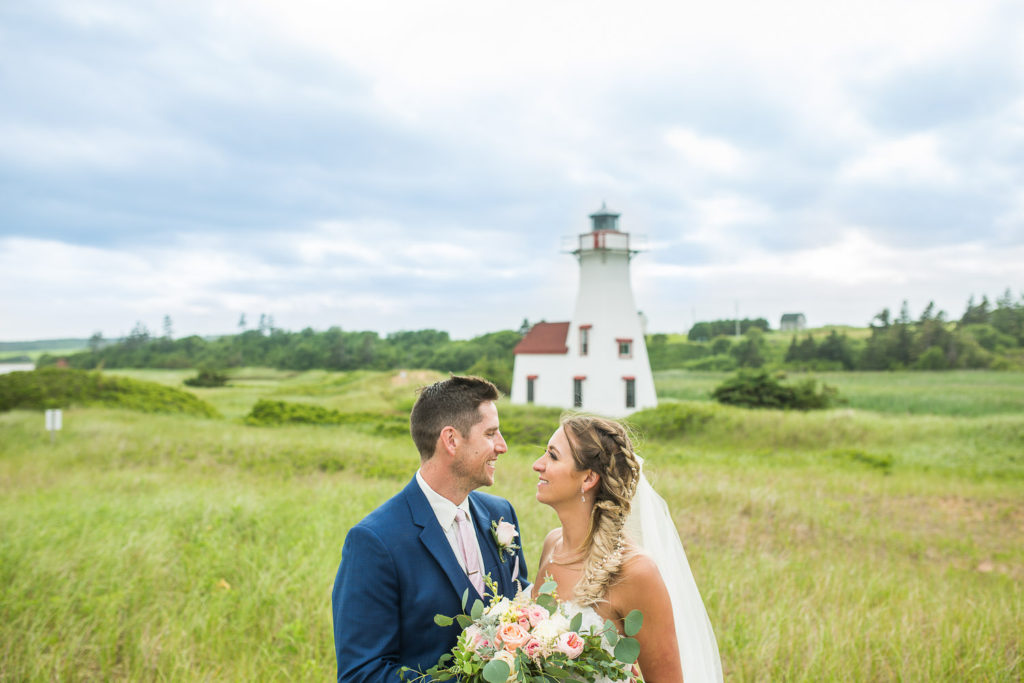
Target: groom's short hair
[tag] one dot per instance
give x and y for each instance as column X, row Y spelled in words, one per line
column 454, row 401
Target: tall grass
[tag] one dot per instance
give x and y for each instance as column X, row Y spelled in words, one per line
column 159, row 547
column 961, row 393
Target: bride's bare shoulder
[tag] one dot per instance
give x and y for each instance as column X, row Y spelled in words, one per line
column 639, row 571
column 549, row 542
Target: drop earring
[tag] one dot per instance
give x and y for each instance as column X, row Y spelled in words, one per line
column 583, row 497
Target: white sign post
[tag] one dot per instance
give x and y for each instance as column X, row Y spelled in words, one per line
column 53, row 422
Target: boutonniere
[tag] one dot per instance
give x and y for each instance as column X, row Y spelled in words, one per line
column 505, row 536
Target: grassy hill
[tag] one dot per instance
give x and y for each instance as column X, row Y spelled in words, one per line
column 846, row 544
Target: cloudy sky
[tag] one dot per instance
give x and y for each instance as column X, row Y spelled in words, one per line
column 404, row 165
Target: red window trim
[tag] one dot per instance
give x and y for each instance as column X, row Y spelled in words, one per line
column 580, row 377
column 623, row 339
column 629, row 377
column 532, row 376
column 585, row 327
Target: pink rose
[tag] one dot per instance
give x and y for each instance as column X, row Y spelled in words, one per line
column 475, row 638
column 524, row 621
column 570, row 644
column 534, row 648
column 513, row 636
column 536, row 614
column 506, row 533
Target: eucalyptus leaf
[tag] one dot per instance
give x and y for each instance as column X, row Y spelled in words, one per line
column 496, row 671
column 634, row 620
column 464, row 620
column 442, row 620
column 478, row 610
column 547, row 602
column 627, row 650
column 576, row 622
column 610, row 633
column 548, row 586
column 465, row 599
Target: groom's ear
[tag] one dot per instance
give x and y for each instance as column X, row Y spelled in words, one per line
column 449, row 440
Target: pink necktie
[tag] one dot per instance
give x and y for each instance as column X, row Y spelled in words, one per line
column 468, row 548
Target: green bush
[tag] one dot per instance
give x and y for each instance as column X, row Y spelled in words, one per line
column 760, row 389
column 63, row 387
column 932, row 359
column 671, row 420
column 528, row 425
column 715, row 363
column 267, row 413
column 208, row 377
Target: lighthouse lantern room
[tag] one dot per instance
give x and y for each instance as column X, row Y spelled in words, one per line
column 597, row 362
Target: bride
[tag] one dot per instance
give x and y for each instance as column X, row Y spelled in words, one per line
column 617, row 549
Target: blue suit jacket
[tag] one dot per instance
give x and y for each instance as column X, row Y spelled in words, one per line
column 397, row 571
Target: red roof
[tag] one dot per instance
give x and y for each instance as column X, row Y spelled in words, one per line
column 544, row 338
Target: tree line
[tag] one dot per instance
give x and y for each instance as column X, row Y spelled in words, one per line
column 987, row 335
column 334, row 349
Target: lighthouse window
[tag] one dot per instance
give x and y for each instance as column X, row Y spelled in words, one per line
column 625, row 348
column 630, row 393
column 529, row 389
column 577, row 393
column 584, row 340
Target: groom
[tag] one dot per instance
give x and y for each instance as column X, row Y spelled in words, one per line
column 415, row 555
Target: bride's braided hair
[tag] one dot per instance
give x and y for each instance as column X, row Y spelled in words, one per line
column 603, row 446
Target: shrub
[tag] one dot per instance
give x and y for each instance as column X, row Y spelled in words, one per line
column 272, row 413
column 932, row 359
column 208, row 377
column 64, row 387
column 715, row 363
column 759, row 389
column 671, row 420
column 528, row 425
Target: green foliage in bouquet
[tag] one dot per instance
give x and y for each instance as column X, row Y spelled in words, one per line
column 527, row 641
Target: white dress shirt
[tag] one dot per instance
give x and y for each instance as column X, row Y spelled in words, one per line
column 444, row 510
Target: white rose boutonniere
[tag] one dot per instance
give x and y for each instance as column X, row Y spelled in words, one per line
column 505, row 536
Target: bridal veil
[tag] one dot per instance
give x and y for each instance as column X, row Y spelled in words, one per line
column 651, row 526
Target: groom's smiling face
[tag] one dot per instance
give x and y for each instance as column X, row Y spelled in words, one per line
column 478, row 450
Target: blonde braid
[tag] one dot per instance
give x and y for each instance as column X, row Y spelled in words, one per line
column 603, row 446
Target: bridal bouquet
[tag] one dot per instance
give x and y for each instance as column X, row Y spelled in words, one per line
column 523, row 639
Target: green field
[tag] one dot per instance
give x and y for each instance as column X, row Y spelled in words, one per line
column 960, row 393
column 879, row 541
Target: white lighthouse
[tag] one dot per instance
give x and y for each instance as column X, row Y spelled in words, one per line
column 598, row 361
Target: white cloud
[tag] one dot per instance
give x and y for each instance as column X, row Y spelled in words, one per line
column 916, row 158
column 402, row 165
column 705, row 152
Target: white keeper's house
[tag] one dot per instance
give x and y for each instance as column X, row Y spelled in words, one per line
column 598, row 361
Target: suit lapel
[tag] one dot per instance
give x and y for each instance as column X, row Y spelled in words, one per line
column 434, row 540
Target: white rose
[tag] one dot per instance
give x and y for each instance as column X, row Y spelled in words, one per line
column 500, row 608
column 506, row 533
column 546, row 632
column 510, row 659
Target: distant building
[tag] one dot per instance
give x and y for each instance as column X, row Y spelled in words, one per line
column 792, row 322
column 598, row 361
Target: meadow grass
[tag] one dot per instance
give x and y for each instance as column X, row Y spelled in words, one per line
column 840, row 545
column 956, row 392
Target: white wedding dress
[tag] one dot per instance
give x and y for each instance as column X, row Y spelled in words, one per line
column 651, row 527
